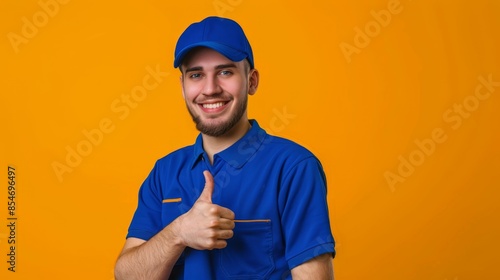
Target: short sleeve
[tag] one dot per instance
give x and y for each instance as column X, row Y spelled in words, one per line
column 146, row 221
column 305, row 218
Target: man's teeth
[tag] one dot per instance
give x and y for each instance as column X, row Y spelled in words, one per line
column 213, row 105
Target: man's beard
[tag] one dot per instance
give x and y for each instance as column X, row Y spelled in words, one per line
column 220, row 128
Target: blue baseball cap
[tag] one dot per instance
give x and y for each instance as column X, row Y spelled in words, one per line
column 220, row 34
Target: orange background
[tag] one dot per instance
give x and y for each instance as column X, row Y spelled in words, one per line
column 361, row 113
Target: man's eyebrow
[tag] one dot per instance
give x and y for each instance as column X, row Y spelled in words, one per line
column 195, row 68
column 222, row 66
column 218, row 67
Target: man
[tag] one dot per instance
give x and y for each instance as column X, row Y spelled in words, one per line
column 239, row 203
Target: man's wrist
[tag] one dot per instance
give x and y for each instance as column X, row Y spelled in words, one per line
column 173, row 232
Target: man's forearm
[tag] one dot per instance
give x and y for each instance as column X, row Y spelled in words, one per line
column 153, row 259
column 205, row 226
column 320, row 267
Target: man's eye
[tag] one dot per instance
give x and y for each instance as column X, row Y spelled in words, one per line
column 226, row 72
column 195, row 75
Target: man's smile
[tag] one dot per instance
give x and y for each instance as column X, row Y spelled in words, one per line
column 213, row 107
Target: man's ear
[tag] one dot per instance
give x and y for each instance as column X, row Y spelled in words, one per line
column 253, row 81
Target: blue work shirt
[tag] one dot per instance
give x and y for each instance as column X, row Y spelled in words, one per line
column 275, row 187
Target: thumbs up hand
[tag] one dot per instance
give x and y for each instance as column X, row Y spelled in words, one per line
column 206, row 225
column 208, row 190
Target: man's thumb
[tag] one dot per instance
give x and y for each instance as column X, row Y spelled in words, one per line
column 207, row 192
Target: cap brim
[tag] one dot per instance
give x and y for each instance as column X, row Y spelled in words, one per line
column 230, row 53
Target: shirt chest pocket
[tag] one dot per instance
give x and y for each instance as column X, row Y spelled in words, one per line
column 171, row 208
column 249, row 253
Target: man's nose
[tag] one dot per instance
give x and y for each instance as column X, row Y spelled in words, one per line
column 211, row 86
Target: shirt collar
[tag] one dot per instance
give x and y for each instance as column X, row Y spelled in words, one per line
column 240, row 152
